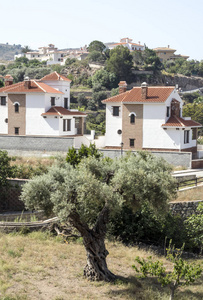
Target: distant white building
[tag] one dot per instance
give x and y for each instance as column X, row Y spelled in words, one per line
column 53, row 56
column 126, row 42
column 39, row 108
column 149, row 118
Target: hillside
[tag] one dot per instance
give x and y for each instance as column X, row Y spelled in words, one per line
column 7, row 51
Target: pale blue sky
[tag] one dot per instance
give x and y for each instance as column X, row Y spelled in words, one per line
column 65, row 23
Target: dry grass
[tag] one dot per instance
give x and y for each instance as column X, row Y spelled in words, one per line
column 33, row 161
column 38, row 266
column 190, row 194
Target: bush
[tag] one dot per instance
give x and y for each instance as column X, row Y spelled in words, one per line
column 148, row 227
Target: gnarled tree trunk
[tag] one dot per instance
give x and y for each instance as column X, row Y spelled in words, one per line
column 96, row 268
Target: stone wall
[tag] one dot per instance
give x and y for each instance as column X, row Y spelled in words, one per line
column 184, row 209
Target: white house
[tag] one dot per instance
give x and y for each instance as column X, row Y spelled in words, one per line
column 126, row 42
column 39, row 108
column 149, row 118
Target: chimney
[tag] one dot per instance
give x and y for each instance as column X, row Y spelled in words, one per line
column 8, row 80
column 144, row 87
column 27, row 83
column 122, row 87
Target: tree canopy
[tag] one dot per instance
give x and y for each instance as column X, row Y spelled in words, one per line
column 88, row 194
column 120, row 62
column 96, row 46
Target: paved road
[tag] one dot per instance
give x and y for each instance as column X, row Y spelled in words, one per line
column 196, row 172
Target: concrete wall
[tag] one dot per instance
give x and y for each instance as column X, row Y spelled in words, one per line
column 174, row 158
column 31, row 143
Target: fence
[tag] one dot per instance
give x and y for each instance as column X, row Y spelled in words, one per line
column 190, row 182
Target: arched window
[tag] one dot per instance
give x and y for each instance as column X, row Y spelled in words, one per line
column 16, row 106
column 132, row 116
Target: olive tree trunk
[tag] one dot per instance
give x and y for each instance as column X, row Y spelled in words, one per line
column 93, row 239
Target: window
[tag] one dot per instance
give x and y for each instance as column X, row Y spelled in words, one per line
column 132, row 142
column 65, row 102
column 52, row 101
column 67, row 125
column 115, row 110
column 168, row 111
column 186, row 136
column 132, row 119
column 3, row 100
column 16, row 107
column 194, row 133
column 16, row 130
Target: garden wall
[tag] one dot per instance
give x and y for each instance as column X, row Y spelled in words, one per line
column 35, row 143
column 185, row 209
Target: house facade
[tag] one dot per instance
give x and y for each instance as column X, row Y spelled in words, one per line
column 166, row 53
column 148, row 118
column 126, row 42
column 39, row 108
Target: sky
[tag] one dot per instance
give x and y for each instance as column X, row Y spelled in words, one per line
column 73, row 24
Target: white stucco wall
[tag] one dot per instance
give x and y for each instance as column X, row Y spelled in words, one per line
column 3, row 116
column 35, row 123
column 113, row 124
column 154, row 136
column 62, row 86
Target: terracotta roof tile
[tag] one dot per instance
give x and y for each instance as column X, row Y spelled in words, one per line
column 55, row 77
column 154, row 95
column 180, row 122
column 61, row 111
column 35, row 87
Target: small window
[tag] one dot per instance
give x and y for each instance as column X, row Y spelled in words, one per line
column 194, row 133
column 65, row 102
column 186, row 136
column 3, row 100
column 16, row 107
column 67, row 125
column 52, row 101
column 16, row 130
column 168, row 111
column 115, row 110
column 132, row 142
column 132, row 119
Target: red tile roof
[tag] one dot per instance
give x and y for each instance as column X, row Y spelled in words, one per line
column 180, row 122
column 61, row 111
column 154, row 95
column 35, row 87
column 55, row 77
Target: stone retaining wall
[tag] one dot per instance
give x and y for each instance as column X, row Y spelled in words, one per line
column 184, row 209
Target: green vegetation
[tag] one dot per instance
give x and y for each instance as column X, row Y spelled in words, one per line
column 74, row 157
column 5, row 168
column 96, row 189
column 183, row 273
column 194, row 227
column 120, row 63
column 185, row 67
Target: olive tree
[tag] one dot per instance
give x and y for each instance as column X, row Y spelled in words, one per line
column 90, row 193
